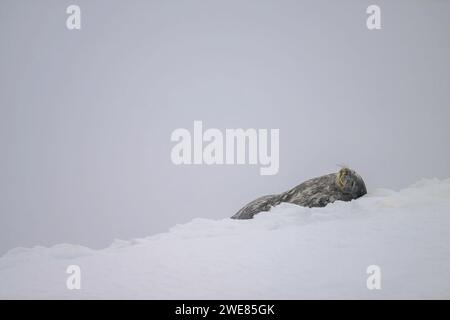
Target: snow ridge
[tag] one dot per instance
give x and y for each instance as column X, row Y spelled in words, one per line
column 290, row 252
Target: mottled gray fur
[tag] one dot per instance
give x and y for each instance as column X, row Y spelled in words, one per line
column 344, row 185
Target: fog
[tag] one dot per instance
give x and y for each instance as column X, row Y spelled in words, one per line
column 86, row 115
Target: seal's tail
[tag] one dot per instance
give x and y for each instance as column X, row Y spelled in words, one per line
column 258, row 205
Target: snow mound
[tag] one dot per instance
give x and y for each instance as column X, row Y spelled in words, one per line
column 289, row 253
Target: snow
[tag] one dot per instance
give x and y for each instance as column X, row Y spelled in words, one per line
column 289, row 253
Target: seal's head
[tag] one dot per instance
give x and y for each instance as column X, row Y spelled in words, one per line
column 351, row 183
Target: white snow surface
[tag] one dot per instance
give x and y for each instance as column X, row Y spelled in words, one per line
column 290, row 252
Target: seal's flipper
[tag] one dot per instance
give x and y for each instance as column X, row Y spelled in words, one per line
column 256, row 206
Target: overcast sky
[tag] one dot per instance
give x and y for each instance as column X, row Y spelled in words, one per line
column 86, row 115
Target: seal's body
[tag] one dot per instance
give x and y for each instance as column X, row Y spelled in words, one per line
column 344, row 185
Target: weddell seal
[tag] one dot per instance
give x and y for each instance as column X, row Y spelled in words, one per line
column 344, row 185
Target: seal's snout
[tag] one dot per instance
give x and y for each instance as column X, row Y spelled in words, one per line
column 359, row 187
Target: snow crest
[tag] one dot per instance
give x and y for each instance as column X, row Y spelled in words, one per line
column 290, row 252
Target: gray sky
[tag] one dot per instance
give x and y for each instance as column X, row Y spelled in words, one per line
column 86, row 116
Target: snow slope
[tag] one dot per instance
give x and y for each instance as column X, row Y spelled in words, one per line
column 288, row 253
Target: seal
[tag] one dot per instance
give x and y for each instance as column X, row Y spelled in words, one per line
column 344, row 185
